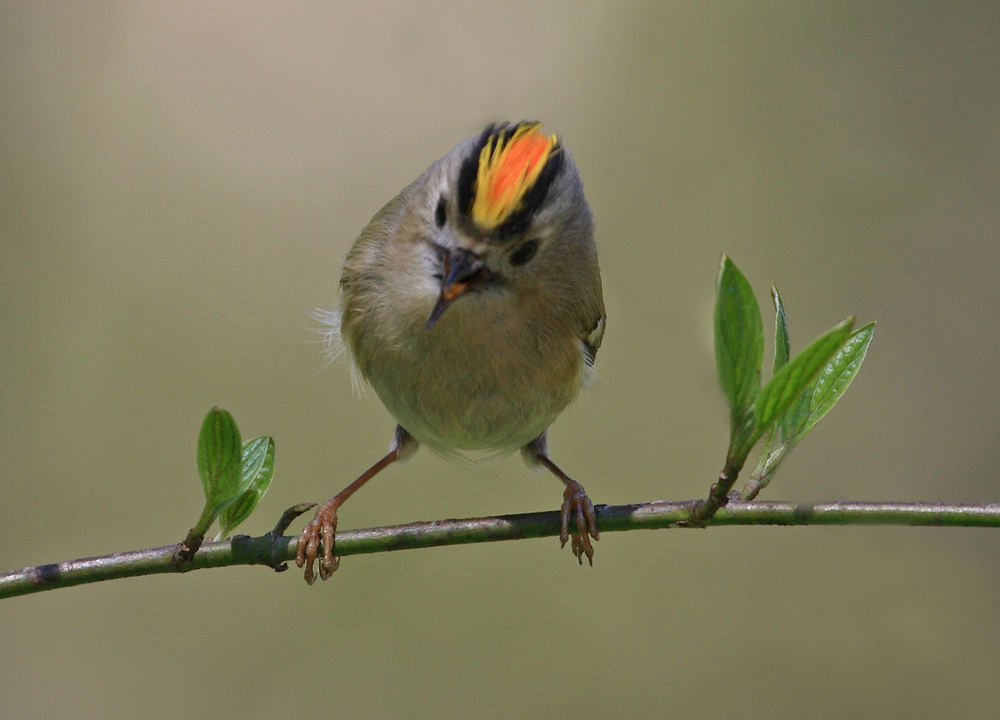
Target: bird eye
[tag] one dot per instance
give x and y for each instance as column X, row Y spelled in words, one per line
column 440, row 215
column 524, row 252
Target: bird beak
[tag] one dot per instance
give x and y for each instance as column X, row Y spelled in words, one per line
column 462, row 269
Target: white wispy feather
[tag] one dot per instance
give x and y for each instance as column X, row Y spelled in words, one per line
column 333, row 344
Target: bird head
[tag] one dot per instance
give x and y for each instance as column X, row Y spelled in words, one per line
column 507, row 200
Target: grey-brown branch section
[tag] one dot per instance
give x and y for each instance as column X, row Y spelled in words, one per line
column 274, row 549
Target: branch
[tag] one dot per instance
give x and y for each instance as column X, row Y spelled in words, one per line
column 274, row 549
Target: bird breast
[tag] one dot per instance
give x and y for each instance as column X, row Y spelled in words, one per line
column 480, row 379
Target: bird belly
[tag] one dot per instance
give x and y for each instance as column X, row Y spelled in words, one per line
column 473, row 381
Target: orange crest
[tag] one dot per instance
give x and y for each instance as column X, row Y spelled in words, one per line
column 508, row 168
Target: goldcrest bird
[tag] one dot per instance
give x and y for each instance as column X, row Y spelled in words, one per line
column 472, row 305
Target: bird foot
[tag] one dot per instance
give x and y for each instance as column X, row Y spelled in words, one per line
column 578, row 507
column 320, row 531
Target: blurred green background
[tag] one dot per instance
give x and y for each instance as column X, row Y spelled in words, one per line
column 178, row 184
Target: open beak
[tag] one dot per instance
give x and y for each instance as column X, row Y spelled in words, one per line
column 462, row 269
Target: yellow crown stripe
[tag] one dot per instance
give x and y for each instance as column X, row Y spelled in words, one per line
column 508, row 167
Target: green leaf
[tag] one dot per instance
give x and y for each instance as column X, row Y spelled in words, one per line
column 815, row 401
column 257, row 459
column 789, row 382
column 834, row 379
column 257, row 469
column 739, row 342
column 795, row 416
column 781, row 352
column 782, row 346
column 219, row 459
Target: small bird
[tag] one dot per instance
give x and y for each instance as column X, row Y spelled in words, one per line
column 472, row 304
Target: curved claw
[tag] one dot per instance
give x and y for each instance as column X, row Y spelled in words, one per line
column 321, row 530
column 578, row 507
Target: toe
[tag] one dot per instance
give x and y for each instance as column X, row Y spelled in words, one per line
column 567, row 509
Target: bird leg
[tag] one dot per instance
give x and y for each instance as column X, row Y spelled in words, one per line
column 576, row 505
column 322, row 529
